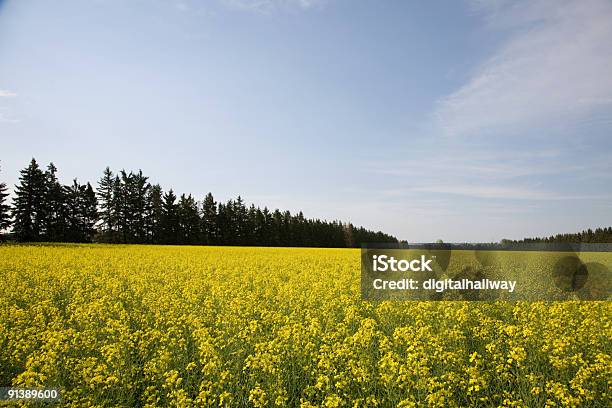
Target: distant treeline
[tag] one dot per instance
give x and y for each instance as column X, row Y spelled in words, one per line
column 127, row 208
column 597, row 236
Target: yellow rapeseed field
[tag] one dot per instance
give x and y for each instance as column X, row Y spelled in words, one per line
column 205, row 326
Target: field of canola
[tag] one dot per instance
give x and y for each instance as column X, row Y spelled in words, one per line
column 204, row 326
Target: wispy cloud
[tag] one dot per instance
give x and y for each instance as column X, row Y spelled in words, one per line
column 554, row 67
column 549, row 78
column 271, row 6
column 7, row 94
column 182, row 6
column 4, row 118
column 483, row 165
column 513, row 175
column 508, row 192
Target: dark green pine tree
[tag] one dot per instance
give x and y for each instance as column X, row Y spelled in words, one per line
column 117, row 205
column 267, row 228
column 223, row 228
column 251, row 230
column 139, row 189
column 277, row 227
column 258, row 221
column 169, row 224
column 188, row 220
column 126, row 210
column 54, row 212
column 81, row 211
column 286, row 230
column 105, row 190
column 155, row 213
column 240, row 221
column 29, row 204
column 89, row 211
column 209, row 228
column 5, row 216
column 73, row 221
column 299, row 230
column 348, row 235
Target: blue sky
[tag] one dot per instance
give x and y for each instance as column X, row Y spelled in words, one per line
column 461, row 121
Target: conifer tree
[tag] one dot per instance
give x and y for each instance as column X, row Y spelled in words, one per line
column 227, row 220
column 252, row 227
column 239, row 221
column 5, row 217
column 210, row 233
column 285, row 229
column 117, row 233
column 73, row 221
column 54, row 207
column 188, row 220
column 299, row 230
column 139, row 190
column 126, row 213
column 155, row 214
column 267, row 228
column 348, row 235
column 277, row 227
column 169, row 222
column 29, row 204
column 81, row 205
column 105, row 190
column 223, row 225
column 89, row 211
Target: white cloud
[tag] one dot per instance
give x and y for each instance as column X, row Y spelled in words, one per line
column 270, row 6
column 541, row 93
column 508, row 192
column 6, row 119
column 7, row 94
column 482, row 165
column 181, row 6
column 555, row 67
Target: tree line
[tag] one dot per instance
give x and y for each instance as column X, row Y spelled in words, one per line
column 126, row 208
column 596, row 236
